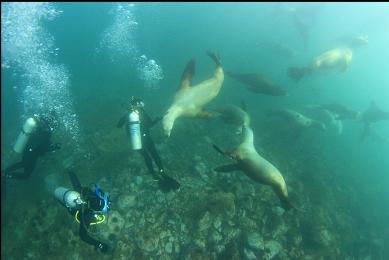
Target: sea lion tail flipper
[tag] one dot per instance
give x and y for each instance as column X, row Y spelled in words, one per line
column 215, row 58
column 228, row 168
column 243, row 105
column 187, row 75
column 296, row 73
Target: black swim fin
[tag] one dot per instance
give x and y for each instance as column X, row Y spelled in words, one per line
column 167, row 184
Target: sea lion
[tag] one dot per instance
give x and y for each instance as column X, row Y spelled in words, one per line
column 335, row 58
column 329, row 118
column 341, row 111
column 353, row 41
column 234, row 115
column 189, row 100
column 296, row 119
column 258, row 84
column 372, row 115
column 256, row 167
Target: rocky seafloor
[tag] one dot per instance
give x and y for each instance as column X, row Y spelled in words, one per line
column 213, row 215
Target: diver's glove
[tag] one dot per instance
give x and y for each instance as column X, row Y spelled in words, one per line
column 102, row 247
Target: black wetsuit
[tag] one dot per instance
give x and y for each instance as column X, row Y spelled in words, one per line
column 38, row 145
column 148, row 151
column 86, row 212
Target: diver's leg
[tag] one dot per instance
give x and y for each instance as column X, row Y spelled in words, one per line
column 29, row 164
column 74, row 180
column 148, row 162
column 150, row 146
column 11, row 168
column 166, row 183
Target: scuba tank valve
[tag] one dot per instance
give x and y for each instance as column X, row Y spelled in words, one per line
column 69, row 198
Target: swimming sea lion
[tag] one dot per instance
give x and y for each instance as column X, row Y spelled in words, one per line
column 335, row 58
column 234, row 115
column 296, row 119
column 372, row 115
column 341, row 111
column 329, row 118
column 256, row 167
column 258, row 84
column 190, row 100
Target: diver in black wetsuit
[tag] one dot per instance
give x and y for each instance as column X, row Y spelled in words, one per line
column 88, row 207
column 34, row 144
column 148, row 150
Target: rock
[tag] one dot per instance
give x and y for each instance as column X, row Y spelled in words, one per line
column 278, row 211
column 272, row 248
column 169, row 248
column 221, row 203
column 110, row 230
column 249, row 255
column 255, row 241
column 126, row 201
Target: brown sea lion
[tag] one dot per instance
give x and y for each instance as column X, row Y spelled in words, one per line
column 258, row 84
column 190, row 100
column 256, row 167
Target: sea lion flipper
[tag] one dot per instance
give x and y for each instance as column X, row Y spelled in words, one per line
column 228, row 168
column 187, row 75
column 215, row 58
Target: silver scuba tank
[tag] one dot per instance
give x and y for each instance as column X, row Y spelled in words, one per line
column 134, row 130
column 29, row 127
column 69, row 198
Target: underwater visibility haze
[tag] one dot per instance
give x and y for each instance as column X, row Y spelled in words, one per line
column 194, row 130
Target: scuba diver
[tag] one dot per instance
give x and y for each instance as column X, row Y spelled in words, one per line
column 33, row 142
column 138, row 124
column 88, row 207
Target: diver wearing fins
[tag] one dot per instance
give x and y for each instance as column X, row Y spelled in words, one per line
column 138, row 124
column 88, row 207
column 33, row 142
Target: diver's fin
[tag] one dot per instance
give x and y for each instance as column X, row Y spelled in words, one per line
column 228, row 168
column 167, row 184
column 121, row 121
column 187, row 75
column 215, row 58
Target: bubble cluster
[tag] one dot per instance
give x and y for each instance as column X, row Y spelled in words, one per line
column 120, row 43
column 150, row 72
column 27, row 49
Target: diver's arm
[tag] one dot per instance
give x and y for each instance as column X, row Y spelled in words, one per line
column 148, row 118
